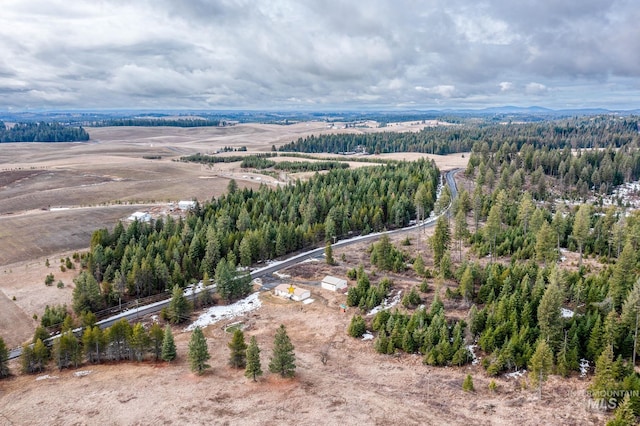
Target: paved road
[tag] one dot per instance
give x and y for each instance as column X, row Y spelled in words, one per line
column 133, row 314
column 449, row 176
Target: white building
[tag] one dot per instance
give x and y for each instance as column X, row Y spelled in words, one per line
column 186, row 205
column 292, row 292
column 140, row 217
column 333, row 283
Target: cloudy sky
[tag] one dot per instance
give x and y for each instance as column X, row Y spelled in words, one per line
column 329, row 54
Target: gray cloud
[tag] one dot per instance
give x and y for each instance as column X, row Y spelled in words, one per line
column 330, row 54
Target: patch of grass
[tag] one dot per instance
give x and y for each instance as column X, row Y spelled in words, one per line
column 231, row 328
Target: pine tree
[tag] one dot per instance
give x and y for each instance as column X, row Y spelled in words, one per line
column 418, row 265
column 525, row 210
column 623, row 275
column 283, row 358
column 139, row 341
column 381, row 343
column 466, row 285
column 253, row 369
column 540, row 365
column 118, row 338
column 624, row 415
column 168, row 345
column 198, row 352
column 440, row 240
column 179, row 308
column 27, row 360
column 546, row 244
column 604, row 379
column 156, row 336
column 4, row 359
column 563, row 361
column 66, row 350
column 357, row 327
column 581, row 227
column 595, row 342
column 460, row 230
column 467, row 385
column 238, row 348
column 328, row 254
column 86, row 294
column 93, row 341
column 549, row 315
column 492, row 227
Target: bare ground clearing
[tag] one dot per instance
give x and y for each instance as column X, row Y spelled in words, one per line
column 356, row 386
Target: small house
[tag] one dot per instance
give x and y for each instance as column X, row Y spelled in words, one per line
column 186, row 205
column 333, row 283
column 140, row 217
column 292, row 292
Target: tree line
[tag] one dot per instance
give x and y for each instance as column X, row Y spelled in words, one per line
column 261, row 161
column 246, row 226
column 160, row 121
column 575, row 132
column 41, row 132
column 126, row 342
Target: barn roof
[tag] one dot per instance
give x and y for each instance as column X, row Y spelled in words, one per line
column 333, row 280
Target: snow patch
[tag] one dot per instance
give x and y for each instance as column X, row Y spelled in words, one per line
column 307, row 301
column 221, row 313
column 46, row 377
column 310, row 260
column 475, row 359
column 82, row 373
column 190, row 289
column 281, row 275
column 516, row 374
column 386, row 304
column 367, row 336
column 566, row 313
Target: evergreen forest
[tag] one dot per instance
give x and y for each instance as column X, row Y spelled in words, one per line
column 41, row 132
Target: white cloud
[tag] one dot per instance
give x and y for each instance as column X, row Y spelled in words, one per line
column 282, row 53
column 442, row 90
column 535, row 88
column 506, row 86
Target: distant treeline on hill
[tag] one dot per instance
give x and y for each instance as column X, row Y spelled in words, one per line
column 157, row 122
column 41, row 132
column 261, row 161
column 211, row 159
column 580, row 132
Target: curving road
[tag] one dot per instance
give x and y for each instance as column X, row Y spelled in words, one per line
column 276, row 266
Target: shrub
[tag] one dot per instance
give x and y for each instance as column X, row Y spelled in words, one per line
column 357, row 327
column 411, row 299
column 49, row 280
column 467, row 385
column 352, row 274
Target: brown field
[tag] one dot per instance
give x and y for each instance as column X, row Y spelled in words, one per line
column 106, row 180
